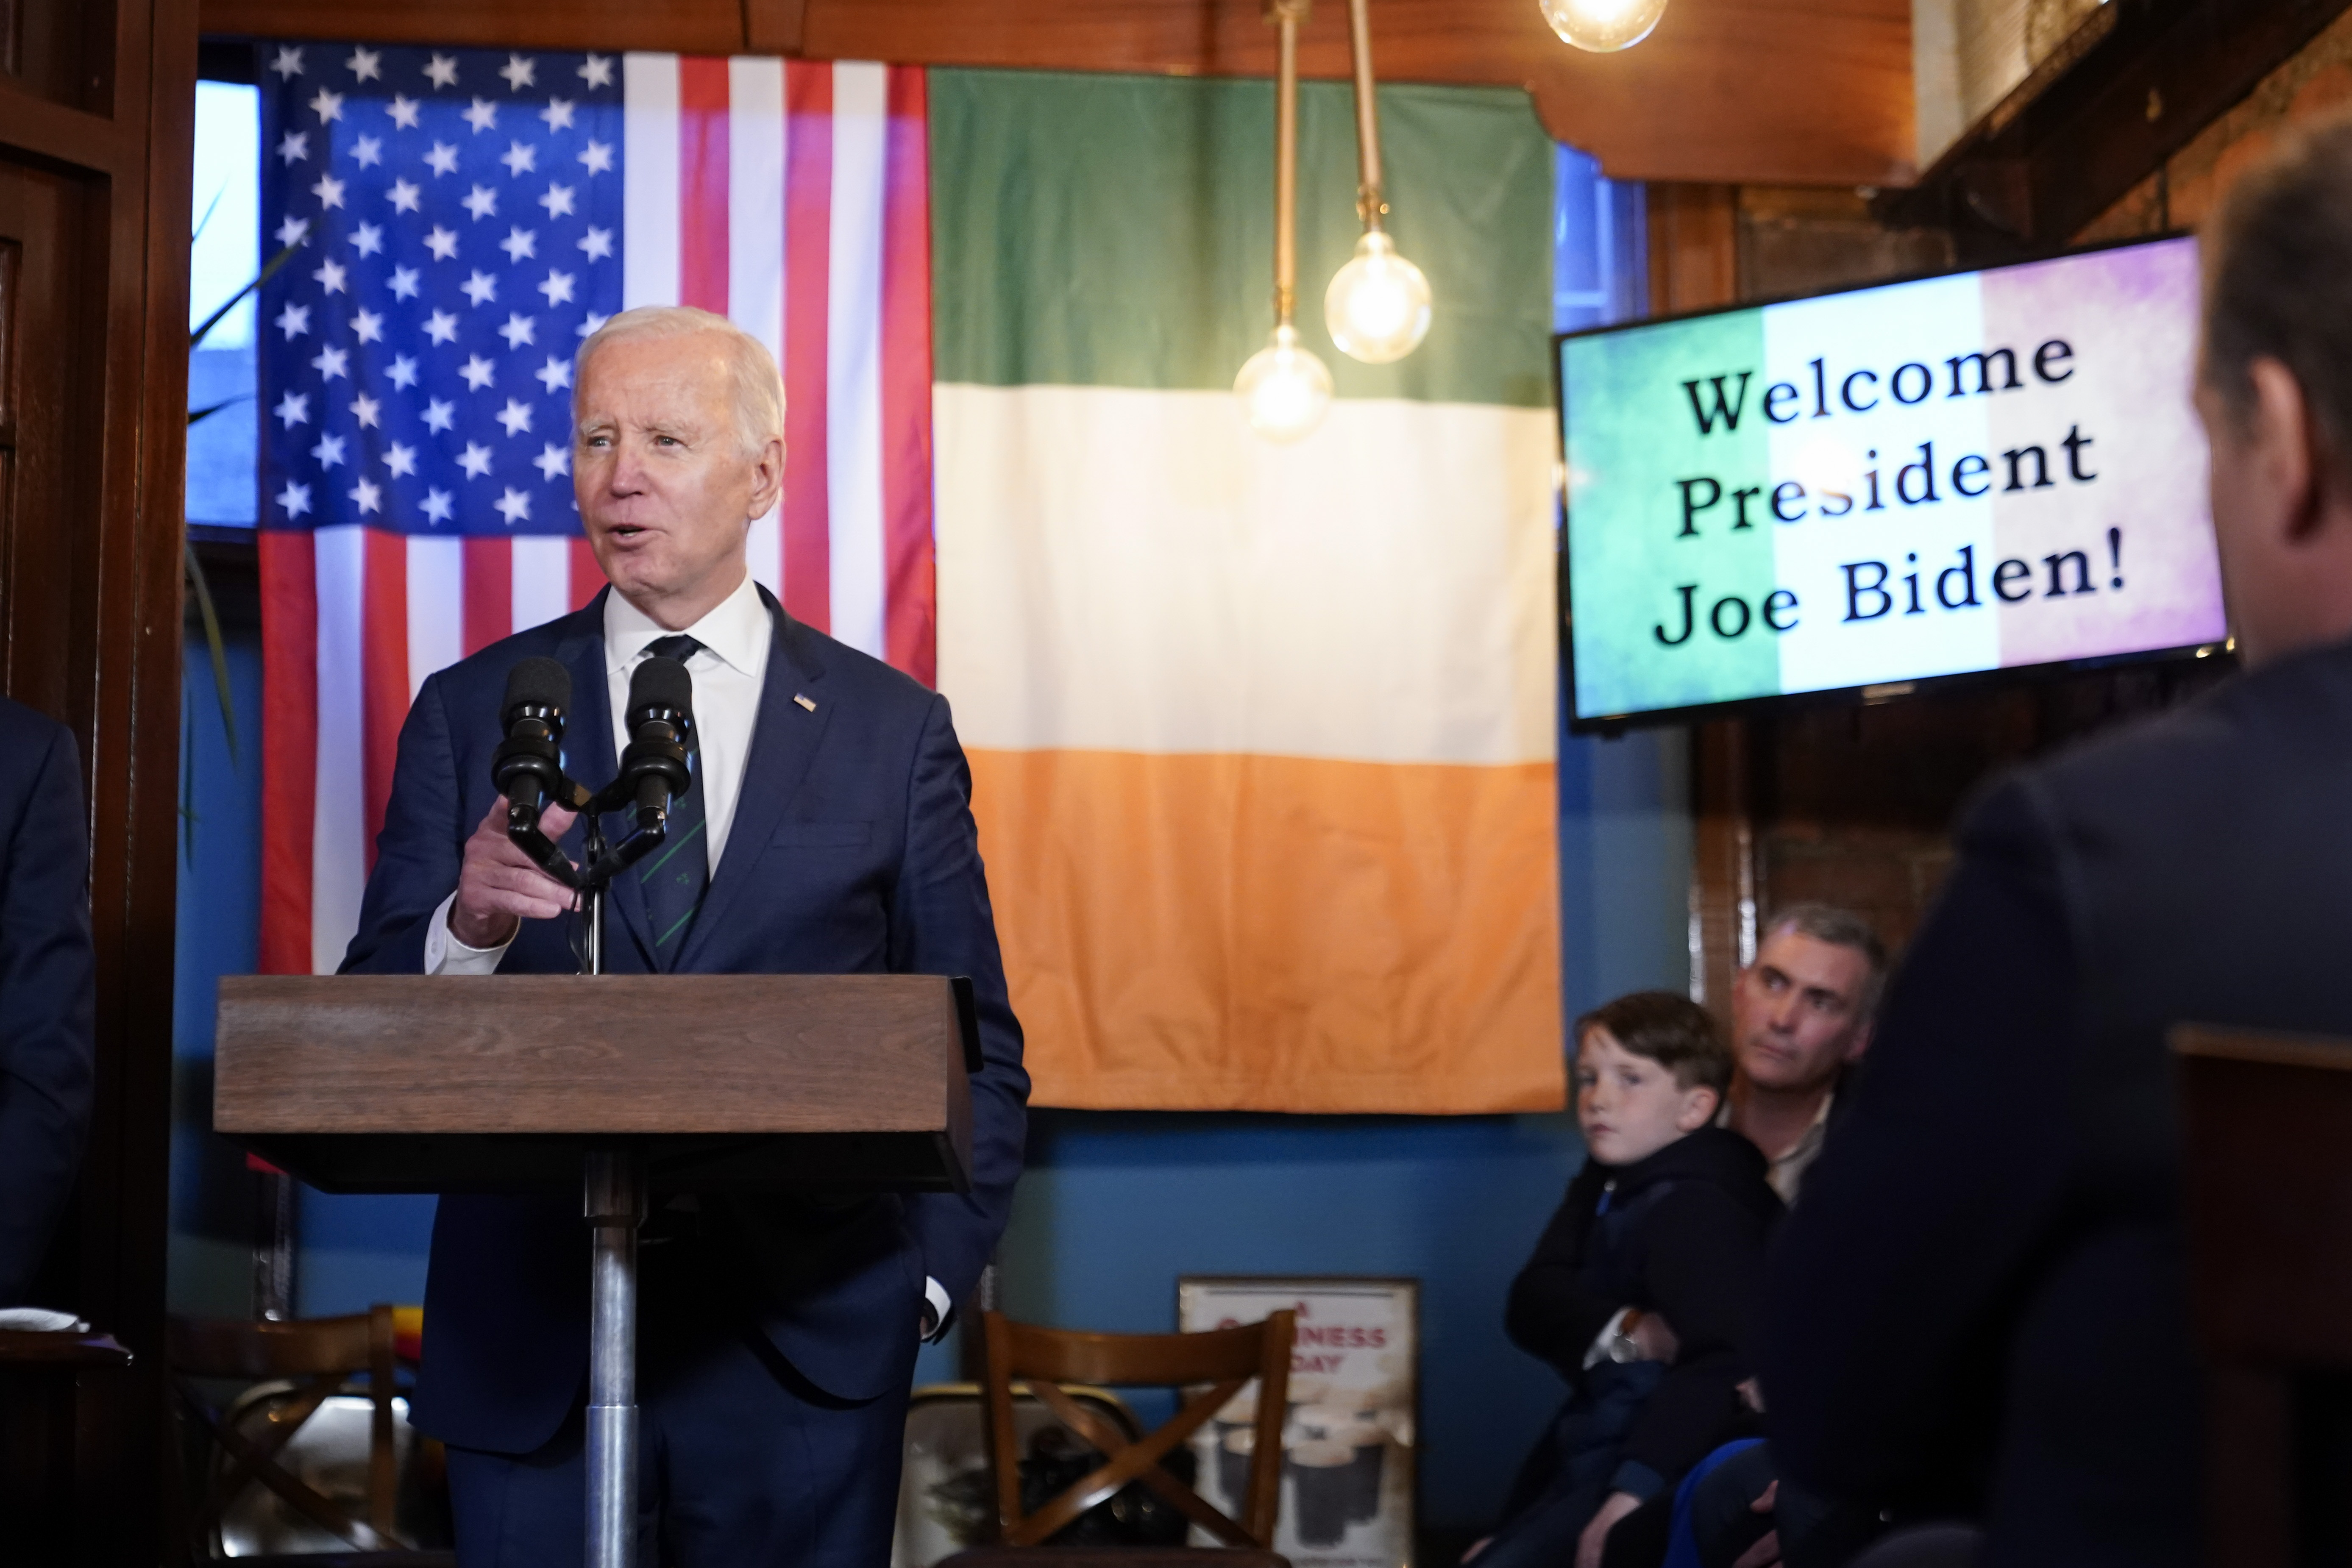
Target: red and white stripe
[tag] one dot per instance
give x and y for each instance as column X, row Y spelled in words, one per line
column 790, row 196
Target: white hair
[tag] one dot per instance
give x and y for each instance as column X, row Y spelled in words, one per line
column 759, row 391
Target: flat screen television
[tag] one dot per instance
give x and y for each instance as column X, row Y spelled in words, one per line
column 1869, row 489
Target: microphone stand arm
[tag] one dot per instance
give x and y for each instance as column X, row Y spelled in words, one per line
column 524, row 833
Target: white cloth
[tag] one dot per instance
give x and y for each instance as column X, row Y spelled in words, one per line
column 1786, row 1171
column 41, row 1320
column 729, row 671
column 1598, row 1350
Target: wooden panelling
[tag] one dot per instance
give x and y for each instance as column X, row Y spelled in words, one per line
column 1780, row 91
column 1725, row 892
column 63, row 54
column 689, row 27
column 94, row 178
column 53, row 226
column 1693, row 247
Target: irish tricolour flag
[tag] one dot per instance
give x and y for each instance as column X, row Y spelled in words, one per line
column 1261, row 736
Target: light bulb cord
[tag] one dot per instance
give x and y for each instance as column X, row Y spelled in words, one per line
column 1286, row 16
column 1370, row 202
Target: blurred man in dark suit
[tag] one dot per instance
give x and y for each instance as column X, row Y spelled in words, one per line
column 1983, row 1295
column 828, row 831
column 46, row 976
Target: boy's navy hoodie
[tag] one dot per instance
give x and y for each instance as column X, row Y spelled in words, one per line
column 1681, row 1234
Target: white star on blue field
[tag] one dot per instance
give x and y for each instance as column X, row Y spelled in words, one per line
column 456, row 220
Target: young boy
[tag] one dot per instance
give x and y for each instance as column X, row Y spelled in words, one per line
column 1640, row 1290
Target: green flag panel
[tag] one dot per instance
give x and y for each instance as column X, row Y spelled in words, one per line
column 1117, row 231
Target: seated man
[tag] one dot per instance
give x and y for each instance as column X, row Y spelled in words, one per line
column 1639, row 1291
column 1800, row 1023
column 1801, row 1017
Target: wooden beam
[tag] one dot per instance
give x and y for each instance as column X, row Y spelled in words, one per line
column 774, row 26
column 686, row 26
column 2069, row 146
column 1730, row 91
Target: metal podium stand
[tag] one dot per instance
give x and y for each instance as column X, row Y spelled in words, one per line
column 629, row 1087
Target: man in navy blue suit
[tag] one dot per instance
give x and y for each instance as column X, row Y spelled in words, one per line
column 829, row 830
column 46, row 1047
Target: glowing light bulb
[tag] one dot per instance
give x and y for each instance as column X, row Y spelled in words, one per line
column 1284, row 387
column 1603, row 25
column 1378, row 304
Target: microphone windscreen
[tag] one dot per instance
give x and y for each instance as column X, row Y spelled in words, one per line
column 536, row 684
column 661, row 683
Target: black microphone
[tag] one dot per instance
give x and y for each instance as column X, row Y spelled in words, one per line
column 528, row 766
column 660, row 718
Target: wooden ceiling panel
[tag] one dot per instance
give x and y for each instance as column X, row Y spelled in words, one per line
column 688, row 26
column 1736, row 91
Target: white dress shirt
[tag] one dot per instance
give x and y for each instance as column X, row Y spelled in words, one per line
column 729, row 671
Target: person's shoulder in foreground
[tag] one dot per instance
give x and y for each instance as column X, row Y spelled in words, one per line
column 1984, row 1297
column 1981, row 1305
column 46, row 985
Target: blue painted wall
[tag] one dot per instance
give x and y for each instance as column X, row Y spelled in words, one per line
column 353, row 1250
column 1114, row 1207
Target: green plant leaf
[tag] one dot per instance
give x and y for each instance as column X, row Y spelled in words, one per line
column 202, row 589
column 206, row 222
column 195, row 414
column 196, row 339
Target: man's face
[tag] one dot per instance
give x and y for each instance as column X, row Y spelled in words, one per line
column 1629, row 1108
column 1796, row 1012
column 667, row 492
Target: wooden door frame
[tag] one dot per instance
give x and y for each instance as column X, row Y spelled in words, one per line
column 94, row 638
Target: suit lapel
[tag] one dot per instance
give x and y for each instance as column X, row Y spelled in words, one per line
column 783, row 744
column 591, row 754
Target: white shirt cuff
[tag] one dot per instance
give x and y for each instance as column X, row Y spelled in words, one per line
column 937, row 1295
column 444, row 954
column 1599, row 1352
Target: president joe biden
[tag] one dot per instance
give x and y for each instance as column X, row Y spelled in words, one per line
column 829, row 832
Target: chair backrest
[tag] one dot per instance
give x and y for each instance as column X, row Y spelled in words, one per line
column 319, row 1355
column 2263, row 1120
column 1226, row 1359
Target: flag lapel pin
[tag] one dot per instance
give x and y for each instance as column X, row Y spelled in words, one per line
column 805, row 702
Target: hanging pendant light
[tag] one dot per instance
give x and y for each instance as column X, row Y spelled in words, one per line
column 1604, row 26
column 1378, row 304
column 1284, row 387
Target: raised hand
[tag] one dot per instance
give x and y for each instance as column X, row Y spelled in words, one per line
column 498, row 887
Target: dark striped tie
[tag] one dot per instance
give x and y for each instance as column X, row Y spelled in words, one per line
column 675, row 875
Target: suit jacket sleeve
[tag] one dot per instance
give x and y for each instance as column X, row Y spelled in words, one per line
column 421, row 848
column 1886, row 1288
column 47, row 999
column 1704, row 1273
column 941, row 924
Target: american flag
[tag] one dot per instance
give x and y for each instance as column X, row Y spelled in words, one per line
column 461, row 219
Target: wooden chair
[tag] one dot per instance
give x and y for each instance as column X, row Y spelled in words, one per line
column 1226, row 1359
column 320, row 1356
column 2266, row 1148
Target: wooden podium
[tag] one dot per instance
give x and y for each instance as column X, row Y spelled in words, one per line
column 619, row 1086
